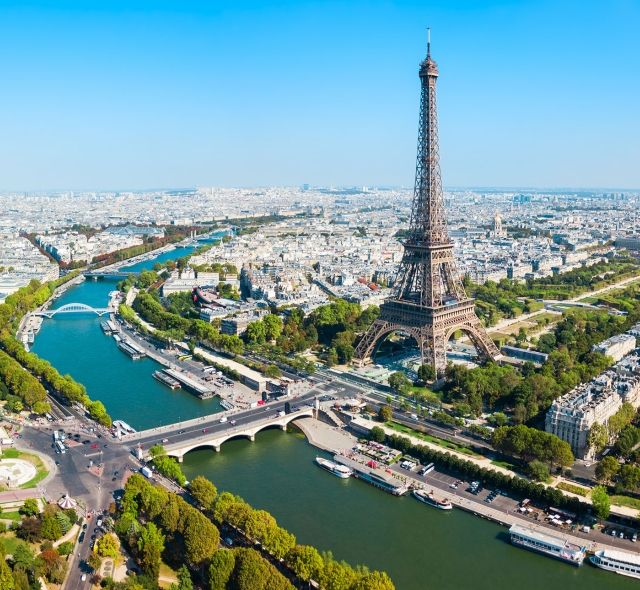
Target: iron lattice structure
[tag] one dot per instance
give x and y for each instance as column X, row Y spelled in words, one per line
column 429, row 302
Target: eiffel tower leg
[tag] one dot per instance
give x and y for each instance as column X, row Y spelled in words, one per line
column 367, row 343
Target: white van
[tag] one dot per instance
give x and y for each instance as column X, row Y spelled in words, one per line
column 223, row 419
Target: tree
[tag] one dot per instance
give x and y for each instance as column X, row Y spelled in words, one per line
column 374, row 581
column 29, row 507
column 65, row 548
column 157, row 451
column 598, row 437
column 6, row 577
column 385, row 413
column 51, row 528
column 607, row 468
column 601, row 502
column 201, row 537
column 399, row 382
column 107, row 546
column 272, row 326
column 256, row 333
column 184, row 580
column 426, row 373
column 220, row 569
column 203, row 491
column 41, row 407
column 377, row 434
column 150, row 548
column 305, row 561
column 538, row 471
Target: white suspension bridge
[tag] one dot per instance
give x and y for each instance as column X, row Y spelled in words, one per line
column 73, row 308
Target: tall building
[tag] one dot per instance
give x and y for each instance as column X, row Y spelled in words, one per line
column 429, row 302
column 572, row 415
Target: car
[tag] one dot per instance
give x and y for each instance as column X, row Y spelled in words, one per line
column 94, row 446
column 84, row 577
column 84, row 526
column 634, row 537
column 99, row 523
column 114, row 478
column 105, row 445
column 204, row 430
column 181, row 432
column 81, row 537
column 621, row 535
column 57, row 462
column 93, row 538
column 232, row 422
column 86, row 442
column 165, row 440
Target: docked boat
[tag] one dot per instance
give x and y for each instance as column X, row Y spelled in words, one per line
column 166, row 380
column 374, row 475
column 106, row 328
column 621, row 562
column 547, row 544
column 129, row 350
column 341, row 471
column 431, row 500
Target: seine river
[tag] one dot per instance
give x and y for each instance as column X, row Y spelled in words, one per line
column 420, row 547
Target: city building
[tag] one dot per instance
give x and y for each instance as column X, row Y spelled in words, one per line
column 572, row 415
column 617, row 346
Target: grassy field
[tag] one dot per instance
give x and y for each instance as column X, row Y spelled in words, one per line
column 505, row 464
column 627, row 501
column 10, row 542
column 573, row 489
column 11, row 515
column 432, row 439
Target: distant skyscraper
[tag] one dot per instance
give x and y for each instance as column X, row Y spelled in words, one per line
column 430, row 302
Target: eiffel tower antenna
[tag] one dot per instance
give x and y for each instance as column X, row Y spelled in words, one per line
column 429, row 301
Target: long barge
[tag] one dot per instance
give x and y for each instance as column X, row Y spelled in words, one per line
column 373, row 475
column 130, row 351
column 547, row 544
column 190, row 384
column 166, row 380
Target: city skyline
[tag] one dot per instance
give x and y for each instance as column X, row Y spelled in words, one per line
column 135, row 95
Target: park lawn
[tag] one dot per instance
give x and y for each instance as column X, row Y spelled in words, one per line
column 432, row 439
column 627, row 501
column 10, row 454
column 505, row 464
column 10, row 542
column 426, row 393
column 11, row 515
column 167, row 575
column 573, row 489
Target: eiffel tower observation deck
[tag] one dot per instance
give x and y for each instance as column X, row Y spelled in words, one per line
column 429, row 301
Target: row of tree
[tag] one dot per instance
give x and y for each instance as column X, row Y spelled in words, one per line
column 177, row 529
column 31, row 391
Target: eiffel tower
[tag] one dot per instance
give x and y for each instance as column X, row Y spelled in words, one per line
column 429, row 302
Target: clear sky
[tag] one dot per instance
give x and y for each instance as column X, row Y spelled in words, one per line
column 135, row 94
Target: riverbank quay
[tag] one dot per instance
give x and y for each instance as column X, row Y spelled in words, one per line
column 364, row 426
column 504, row 511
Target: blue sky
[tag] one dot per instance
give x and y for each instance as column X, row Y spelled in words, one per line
column 179, row 93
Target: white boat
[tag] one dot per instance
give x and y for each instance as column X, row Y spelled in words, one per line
column 336, row 469
column 431, row 500
column 621, row 562
column 547, row 544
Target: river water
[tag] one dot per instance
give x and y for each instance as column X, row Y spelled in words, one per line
column 420, row 547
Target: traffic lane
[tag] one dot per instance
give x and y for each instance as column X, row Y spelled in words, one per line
column 213, row 423
column 216, row 427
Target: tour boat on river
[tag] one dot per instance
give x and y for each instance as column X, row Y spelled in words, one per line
column 431, row 500
column 547, row 544
column 336, row 469
column 621, row 562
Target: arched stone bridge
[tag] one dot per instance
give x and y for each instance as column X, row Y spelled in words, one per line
column 215, row 438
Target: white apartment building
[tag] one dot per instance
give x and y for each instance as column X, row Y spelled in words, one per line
column 617, row 346
column 572, row 416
